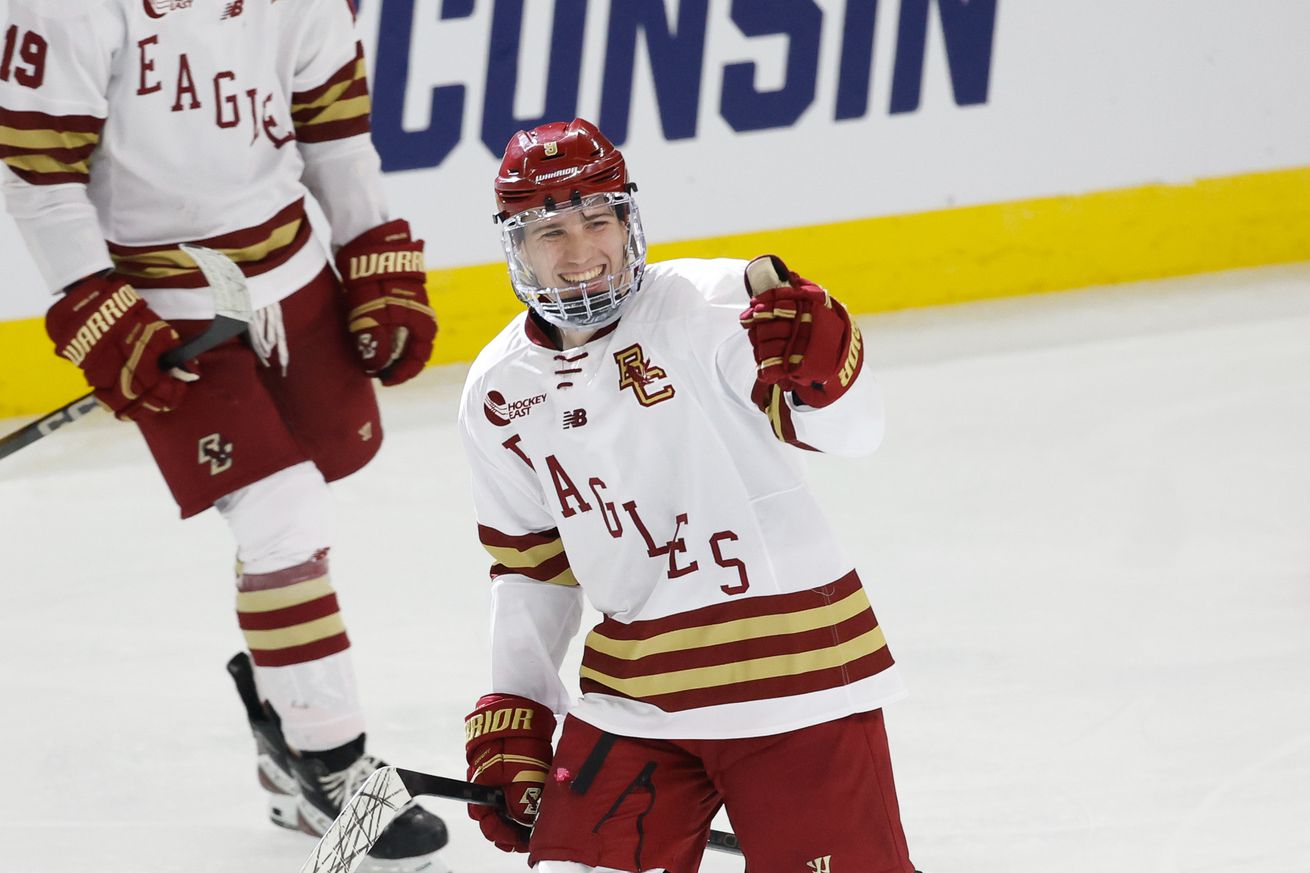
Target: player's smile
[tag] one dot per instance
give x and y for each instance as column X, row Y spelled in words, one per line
column 585, row 276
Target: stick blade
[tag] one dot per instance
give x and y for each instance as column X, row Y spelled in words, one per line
column 231, row 296
column 361, row 822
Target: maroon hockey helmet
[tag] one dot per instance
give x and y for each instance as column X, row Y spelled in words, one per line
column 569, row 225
column 555, row 164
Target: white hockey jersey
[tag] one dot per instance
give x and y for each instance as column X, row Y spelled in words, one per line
column 130, row 126
column 637, row 471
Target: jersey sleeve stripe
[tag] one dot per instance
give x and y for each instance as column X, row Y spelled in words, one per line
column 342, row 110
column 538, row 556
column 335, row 86
column 489, row 537
column 530, row 557
column 337, row 109
column 48, row 149
column 557, row 571
column 255, row 249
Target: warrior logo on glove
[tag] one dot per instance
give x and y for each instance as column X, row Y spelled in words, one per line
column 382, row 271
column 103, row 326
column 507, row 741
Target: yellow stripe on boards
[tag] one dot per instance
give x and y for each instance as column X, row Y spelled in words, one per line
column 38, row 380
column 1046, row 244
column 880, row 264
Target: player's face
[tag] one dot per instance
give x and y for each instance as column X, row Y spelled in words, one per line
column 576, row 247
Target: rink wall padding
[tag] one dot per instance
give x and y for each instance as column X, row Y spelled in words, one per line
column 886, row 263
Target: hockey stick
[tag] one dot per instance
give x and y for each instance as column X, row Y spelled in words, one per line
column 382, row 797
column 232, row 308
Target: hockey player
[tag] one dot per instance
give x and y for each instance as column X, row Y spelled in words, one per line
column 128, row 127
column 630, row 442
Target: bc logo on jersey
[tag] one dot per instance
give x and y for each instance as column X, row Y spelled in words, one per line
column 216, row 451
column 637, row 372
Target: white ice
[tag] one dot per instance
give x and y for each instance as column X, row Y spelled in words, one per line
column 1087, row 537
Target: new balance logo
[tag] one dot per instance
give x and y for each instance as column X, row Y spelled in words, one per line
column 233, row 9
column 821, row 865
column 575, row 418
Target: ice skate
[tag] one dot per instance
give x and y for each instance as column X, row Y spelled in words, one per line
column 306, row 790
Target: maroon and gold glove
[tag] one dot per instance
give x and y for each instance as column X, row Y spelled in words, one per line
column 390, row 319
column 102, row 325
column 804, row 341
column 507, row 741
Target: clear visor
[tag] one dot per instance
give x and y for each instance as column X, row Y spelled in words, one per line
column 578, row 264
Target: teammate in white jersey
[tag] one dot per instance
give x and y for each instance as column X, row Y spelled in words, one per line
column 129, row 127
column 631, row 443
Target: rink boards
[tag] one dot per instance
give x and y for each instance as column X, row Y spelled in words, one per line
column 904, row 153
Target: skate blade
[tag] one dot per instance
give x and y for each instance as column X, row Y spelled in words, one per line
column 422, row 864
column 283, row 811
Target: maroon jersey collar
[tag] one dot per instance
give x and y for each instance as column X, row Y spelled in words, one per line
column 540, row 334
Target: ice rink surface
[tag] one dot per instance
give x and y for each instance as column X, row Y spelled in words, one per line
column 1087, row 537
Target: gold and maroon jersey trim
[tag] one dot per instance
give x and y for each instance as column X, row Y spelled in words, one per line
column 255, row 250
column 291, row 616
column 538, row 556
column 762, row 648
column 48, row 149
column 336, row 109
column 772, row 402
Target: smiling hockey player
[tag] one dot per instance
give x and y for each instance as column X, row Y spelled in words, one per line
column 633, row 438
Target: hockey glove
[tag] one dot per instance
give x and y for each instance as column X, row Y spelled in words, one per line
column 507, row 741
column 102, row 325
column 389, row 317
column 804, row 340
